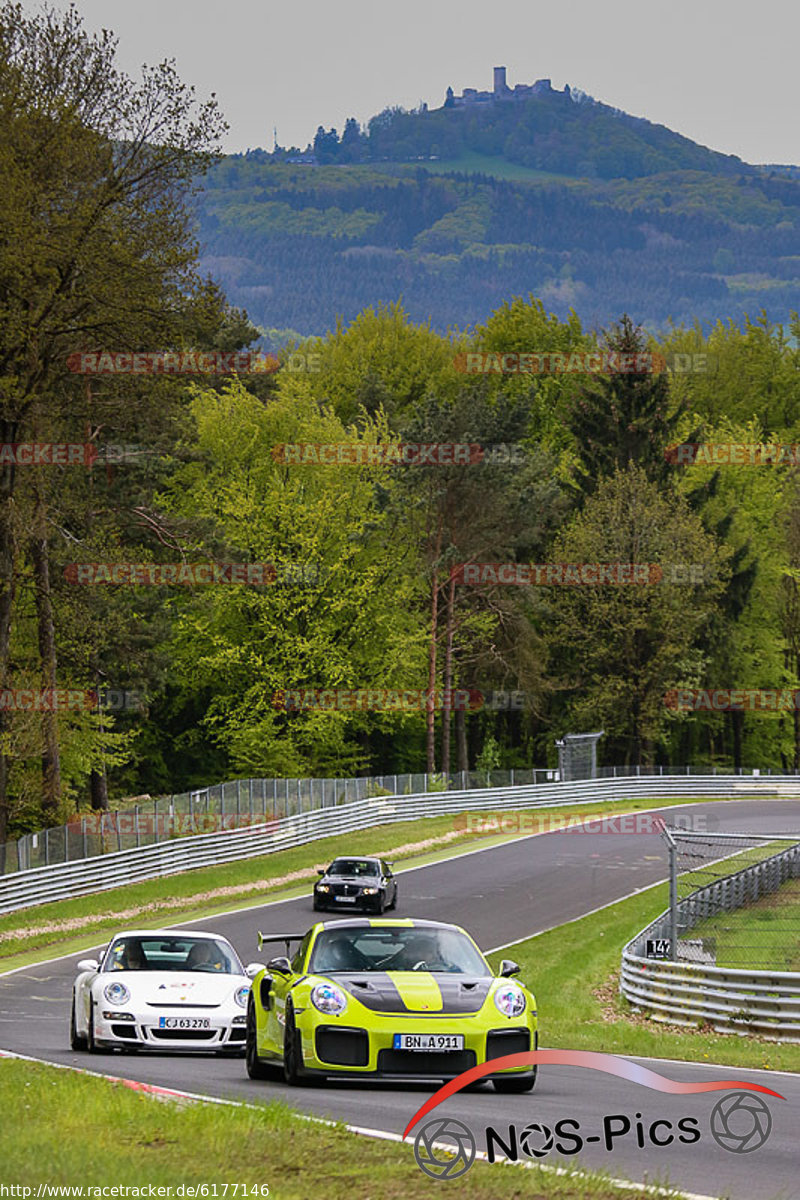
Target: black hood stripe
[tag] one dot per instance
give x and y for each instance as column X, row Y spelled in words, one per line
column 377, row 991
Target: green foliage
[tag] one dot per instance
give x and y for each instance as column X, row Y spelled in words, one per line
column 350, row 625
column 618, row 649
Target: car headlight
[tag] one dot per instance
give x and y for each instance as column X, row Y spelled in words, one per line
column 328, row 999
column 240, row 996
column 116, row 993
column 322, row 887
column 510, row 1000
column 370, row 891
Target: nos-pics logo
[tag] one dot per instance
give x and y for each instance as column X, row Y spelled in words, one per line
column 445, row 1148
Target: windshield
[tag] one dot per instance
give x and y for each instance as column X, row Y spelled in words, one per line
column 394, row 948
column 354, row 866
column 172, row 954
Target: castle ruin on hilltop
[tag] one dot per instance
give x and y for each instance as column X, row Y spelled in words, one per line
column 501, row 91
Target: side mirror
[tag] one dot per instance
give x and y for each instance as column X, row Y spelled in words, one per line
column 252, row 969
column 88, row 964
column 320, row 870
column 508, row 967
column 280, row 965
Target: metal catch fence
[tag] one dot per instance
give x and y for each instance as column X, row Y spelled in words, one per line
column 727, row 950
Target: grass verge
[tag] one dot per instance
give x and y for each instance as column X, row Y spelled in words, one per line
column 74, row 925
column 70, row 1129
column 574, row 972
column 764, row 936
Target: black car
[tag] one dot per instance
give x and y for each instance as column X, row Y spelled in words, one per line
column 350, row 883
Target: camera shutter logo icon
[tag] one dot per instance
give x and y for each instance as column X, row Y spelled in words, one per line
column 444, row 1148
column 741, row 1122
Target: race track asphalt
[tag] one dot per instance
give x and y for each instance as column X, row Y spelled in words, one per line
column 500, row 894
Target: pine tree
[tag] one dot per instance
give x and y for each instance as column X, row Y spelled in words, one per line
column 623, row 417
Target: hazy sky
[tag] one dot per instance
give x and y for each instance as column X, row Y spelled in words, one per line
column 722, row 72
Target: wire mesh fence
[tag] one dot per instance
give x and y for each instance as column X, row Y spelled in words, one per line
column 734, row 900
column 236, row 804
column 239, row 803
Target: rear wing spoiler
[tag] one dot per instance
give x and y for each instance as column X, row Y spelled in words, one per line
column 286, row 938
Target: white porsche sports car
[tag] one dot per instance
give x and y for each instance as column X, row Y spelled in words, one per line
column 162, row 990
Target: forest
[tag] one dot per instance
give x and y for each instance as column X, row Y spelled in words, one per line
column 172, row 567
column 300, row 246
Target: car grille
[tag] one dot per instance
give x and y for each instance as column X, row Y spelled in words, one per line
column 507, row 1041
column 345, row 889
column 414, row 1062
column 125, row 1031
column 237, row 1035
column 184, row 1035
column 343, row 1047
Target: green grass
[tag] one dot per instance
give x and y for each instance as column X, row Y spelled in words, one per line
column 762, row 936
column 729, row 862
column 472, row 162
column 63, row 1128
column 574, row 972
column 74, row 925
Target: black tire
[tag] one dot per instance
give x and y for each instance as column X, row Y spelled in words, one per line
column 292, row 1056
column 255, row 1067
column 91, row 1044
column 76, row 1040
column 512, row 1086
column 394, row 900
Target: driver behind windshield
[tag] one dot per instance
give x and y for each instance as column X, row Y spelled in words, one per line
column 205, row 956
column 336, row 952
column 128, row 957
column 353, row 867
column 424, row 953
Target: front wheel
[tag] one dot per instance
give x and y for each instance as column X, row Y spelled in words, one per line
column 76, row 1040
column 512, row 1086
column 292, row 1057
column 91, row 1044
column 255, row 1067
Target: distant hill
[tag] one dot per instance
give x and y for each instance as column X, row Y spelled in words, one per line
column 582, row 205
column 563, row 132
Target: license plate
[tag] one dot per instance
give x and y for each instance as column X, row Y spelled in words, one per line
column 345, row 899
column 184, row 1023
column 428, row 1041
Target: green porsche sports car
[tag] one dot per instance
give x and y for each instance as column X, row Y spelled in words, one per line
column 374, row 998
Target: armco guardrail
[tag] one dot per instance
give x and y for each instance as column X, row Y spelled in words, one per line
column 80, row 877
column 239, row 803
column 731, row 1000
